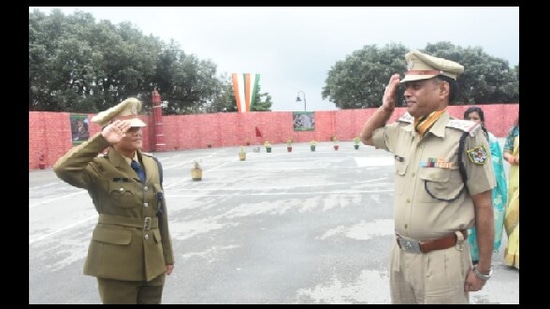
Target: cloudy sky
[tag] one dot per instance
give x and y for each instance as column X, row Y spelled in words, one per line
column 293, row 48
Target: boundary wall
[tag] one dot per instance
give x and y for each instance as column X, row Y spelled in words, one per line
column 50, row 132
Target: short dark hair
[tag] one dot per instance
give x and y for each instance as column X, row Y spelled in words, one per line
column 453, row 86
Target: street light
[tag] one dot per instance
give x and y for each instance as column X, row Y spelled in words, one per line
column 300, row 100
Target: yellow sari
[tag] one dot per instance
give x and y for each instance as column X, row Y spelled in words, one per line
column 511, row 220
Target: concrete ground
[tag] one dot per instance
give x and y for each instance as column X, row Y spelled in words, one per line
column 279, row 228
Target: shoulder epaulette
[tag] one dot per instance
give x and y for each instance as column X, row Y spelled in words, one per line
column 148, row 154
column 406, row 117
column 464, row 125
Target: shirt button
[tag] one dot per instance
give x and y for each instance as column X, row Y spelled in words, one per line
column 408, row 200
column 145, row 204
column 145, row 188
column 413, row 174
column 146, row 236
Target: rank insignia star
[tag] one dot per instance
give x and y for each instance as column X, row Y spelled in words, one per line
column 477, row 155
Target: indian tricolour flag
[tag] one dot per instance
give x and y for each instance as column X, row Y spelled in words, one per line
column 245, row 86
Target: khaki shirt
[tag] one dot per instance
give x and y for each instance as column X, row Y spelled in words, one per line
column 427, row 169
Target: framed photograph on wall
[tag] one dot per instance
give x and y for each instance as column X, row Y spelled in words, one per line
column 303, row 121
column 79, row 128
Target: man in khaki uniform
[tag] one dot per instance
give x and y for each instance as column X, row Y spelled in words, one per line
column 130, row 252
column 443, row 183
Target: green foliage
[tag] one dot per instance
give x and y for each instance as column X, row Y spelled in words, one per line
column 78, row 65
column 485, row 79
column 360, row 79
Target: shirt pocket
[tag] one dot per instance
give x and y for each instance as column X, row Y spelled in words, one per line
column 112, row 236
column 111, row 249
column 401, row 167
column 123, row 194
column 439, row 184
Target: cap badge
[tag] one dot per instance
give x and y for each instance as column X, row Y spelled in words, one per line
column 134, row 110
column 410, row 65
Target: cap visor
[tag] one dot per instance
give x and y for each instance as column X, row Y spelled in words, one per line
column 136, row 122
column 410, row 78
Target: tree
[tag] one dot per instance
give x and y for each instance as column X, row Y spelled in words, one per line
column 187, row 83
column 78, row 65
column 359, row 80
column 485, row 79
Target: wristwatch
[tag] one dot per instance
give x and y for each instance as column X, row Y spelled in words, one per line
column 481, row 276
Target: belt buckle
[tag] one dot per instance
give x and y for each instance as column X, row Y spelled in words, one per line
column 147, row 223
column 409, row 245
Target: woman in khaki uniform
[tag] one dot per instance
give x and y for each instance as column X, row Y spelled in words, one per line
column 130, row 251
column 443, row 183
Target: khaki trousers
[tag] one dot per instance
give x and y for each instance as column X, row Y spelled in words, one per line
column 436, row 277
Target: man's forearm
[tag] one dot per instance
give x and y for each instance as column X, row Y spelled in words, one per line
column 377, row 120
column 485, row 229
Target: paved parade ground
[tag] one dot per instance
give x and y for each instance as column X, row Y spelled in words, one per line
column 279, row 228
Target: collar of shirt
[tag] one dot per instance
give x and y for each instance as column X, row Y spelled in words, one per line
column 129, row 160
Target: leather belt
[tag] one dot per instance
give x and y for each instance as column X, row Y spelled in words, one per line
column 415, row 246
column 145, row 223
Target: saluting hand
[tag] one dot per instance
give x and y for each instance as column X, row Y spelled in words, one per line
column 388, row 100
column 115, row 131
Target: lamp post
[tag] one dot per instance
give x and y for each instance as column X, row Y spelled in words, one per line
column 300, row 100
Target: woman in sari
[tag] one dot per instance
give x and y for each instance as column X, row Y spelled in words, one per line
column 511, row 220
column 500, row 191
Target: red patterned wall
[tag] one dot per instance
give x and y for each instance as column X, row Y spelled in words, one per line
column 50, row 133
